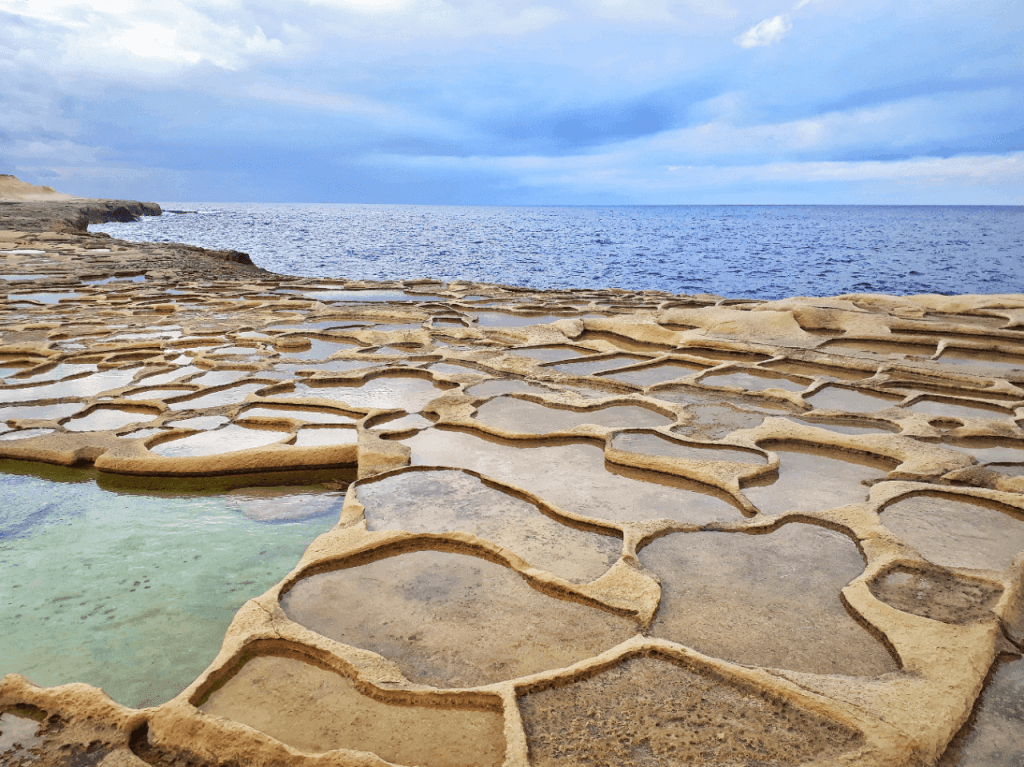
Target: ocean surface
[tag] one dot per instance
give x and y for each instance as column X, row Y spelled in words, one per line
column 764, row 252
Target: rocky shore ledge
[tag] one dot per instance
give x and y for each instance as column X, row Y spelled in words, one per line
column 583, row 526
column 31, row 214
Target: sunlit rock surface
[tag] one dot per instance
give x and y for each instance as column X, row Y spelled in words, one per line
column 580, row 526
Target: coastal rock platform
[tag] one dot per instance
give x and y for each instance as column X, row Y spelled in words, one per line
column 581, row 526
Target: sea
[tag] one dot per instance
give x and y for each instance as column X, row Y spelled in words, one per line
column 757, row 251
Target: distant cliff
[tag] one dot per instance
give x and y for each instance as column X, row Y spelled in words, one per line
column 13, row 189
column 73, row 215
column 33, row 209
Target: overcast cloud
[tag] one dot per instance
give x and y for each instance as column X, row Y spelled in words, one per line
column 512, row 101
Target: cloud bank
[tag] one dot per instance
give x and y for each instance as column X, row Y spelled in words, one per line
column 487, row 102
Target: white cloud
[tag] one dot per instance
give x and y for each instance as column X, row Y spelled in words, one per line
column 428, row 21
column 767, row 32
column 119, row 37
column 180, row 42
column 988, row 179
column 893, row 126
column 973, row 170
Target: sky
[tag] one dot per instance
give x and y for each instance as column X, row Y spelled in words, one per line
column 515, row 102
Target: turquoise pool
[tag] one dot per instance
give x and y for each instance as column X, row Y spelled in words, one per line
column 132, row 591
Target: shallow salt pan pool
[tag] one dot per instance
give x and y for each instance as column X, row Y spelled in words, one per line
column 133, row 592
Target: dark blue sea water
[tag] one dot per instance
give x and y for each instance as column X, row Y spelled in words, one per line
column 736, row 251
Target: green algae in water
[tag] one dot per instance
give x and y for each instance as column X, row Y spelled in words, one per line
column 131, row 592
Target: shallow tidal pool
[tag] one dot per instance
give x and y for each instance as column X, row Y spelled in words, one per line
column 133, row 591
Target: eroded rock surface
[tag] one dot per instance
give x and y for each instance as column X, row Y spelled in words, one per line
column 589, row 525
column 315, row 709
column 648, row 711
column 453, row 501
column 786, row 585
column 449, row 620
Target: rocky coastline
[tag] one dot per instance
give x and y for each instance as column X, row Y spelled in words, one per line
column 669, row 528
column 28, row 222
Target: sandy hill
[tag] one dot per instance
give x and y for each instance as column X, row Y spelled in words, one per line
column 15, row 190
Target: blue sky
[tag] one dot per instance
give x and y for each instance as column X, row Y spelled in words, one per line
column 516, row 102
